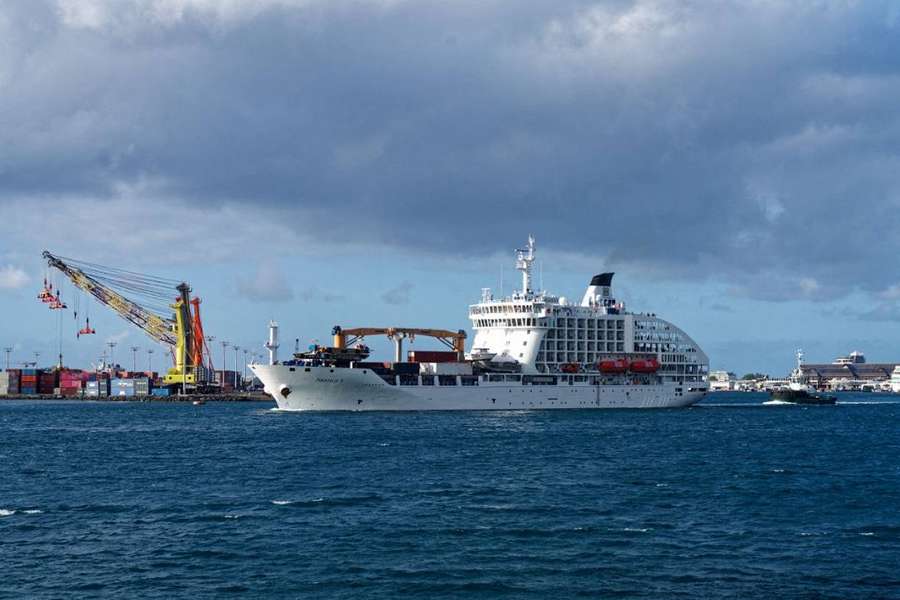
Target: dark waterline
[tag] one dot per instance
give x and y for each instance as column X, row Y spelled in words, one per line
column 728, row 499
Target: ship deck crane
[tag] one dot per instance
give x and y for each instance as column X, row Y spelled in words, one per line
column 456, row 341
column 148, row 308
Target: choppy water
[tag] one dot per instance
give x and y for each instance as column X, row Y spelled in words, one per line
column 724, row 500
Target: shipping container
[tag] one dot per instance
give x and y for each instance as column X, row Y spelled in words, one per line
column 432, row 356
column 160, row 391
column 408, row 368
column 122, row 387
column 98, row 388
column 231, row 378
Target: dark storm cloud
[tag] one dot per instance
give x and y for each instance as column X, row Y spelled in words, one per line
column 754, row 142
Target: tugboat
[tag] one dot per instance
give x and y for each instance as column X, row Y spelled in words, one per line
column 799, row 391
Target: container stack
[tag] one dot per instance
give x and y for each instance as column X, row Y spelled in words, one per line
column 229, row 378
column 71, row 383
column 13, row 377
column 48, row 383
column 97, row 388
column 121, row 387
column 4, row 383
column 142, row 386
column 28, row 382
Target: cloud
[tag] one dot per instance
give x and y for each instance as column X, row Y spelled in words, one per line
column 268, row 284
column 316, row 294
column 737, row 142
column 399, row 294
column 118, row 338
column 13, row 278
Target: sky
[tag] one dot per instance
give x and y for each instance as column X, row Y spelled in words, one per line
column 376, row 162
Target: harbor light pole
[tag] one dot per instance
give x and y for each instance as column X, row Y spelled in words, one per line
column 237, row 351
column 149, row 362
column 244, row 367
column 224, row 359
column 134, row 351
column 111, row 345
column 37, row 359
column 8, row 350
column 209, row 340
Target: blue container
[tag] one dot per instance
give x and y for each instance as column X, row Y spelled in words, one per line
column 160, row 392
column 27, row 391
column 29, row 371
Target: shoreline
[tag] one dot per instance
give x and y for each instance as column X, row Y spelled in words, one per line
column 232, row 397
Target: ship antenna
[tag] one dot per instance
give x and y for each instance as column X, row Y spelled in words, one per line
column 524, row 258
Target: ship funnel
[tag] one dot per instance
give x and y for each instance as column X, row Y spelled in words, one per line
column 599, row 292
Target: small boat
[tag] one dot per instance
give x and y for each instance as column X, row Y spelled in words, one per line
column 807, row 395
column 799, row 391
column 198, row 402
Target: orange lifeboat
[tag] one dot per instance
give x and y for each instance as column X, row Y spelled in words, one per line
column 619, row 365
column 570, row 368
column 644, row 366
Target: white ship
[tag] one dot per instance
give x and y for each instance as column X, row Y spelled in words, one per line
column 532, row 350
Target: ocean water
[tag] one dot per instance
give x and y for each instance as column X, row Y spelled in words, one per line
column 730, row 499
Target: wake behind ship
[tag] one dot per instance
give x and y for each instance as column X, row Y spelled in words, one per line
column 532, row 350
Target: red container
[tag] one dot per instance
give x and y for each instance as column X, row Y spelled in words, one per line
column 70, row 392
column 431, row 356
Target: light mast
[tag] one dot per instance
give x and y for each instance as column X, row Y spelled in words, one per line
column 272, row 344
column 524, row 258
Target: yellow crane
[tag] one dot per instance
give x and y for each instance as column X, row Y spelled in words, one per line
column 455, row 340
column 181, row 330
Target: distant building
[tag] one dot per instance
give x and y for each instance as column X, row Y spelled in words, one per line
column 722, row 381
column 850, row 372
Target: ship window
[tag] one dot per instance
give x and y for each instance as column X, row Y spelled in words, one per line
column 446, row 379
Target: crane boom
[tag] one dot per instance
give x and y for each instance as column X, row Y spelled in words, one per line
column 182, row 333
column 158, row 328
column 456, row 340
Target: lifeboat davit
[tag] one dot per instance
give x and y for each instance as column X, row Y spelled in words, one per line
column 619, row 365
column 650, row 365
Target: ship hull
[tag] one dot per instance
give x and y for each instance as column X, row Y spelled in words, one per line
column 801, row 397
column 339, row 389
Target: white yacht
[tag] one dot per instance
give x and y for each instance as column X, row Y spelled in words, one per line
column 532, row 350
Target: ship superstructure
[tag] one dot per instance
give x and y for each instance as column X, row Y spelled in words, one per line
column 545, row 333
column 531, row 349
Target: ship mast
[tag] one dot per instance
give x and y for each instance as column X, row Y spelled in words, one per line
column 524, row 258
